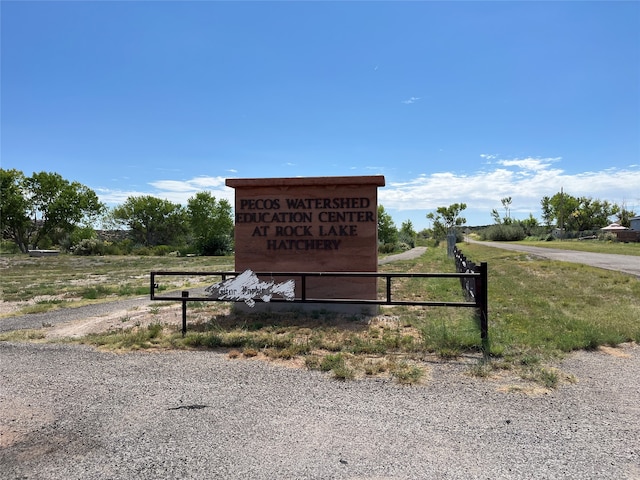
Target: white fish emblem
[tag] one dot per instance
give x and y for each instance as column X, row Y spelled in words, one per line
column 247, row 286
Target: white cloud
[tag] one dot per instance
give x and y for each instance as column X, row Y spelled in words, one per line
column 529, row 163
column 525, row 180
column 178, row 191
column 411, row 100
column 172, row 186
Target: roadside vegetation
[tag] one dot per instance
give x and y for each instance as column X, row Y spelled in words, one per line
column 538, row 311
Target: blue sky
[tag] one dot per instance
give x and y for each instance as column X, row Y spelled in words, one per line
column 450, row 101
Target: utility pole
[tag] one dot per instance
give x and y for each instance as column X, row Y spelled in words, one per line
column 561, row 213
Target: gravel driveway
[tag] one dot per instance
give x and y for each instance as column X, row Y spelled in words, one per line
column 71, row 412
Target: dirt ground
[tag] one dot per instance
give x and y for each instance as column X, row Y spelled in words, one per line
column 118, row 317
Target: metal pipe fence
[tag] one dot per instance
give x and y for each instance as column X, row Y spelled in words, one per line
column 472, row 278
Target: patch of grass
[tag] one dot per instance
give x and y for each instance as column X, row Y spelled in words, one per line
column 196, row 340
column 407, row 374
column 375, row 366
column 93, row 293
column 37, row 308
column 312, row 362
column 22, row 335
column 337, row 364
column 128, row 290
column 130, row 339
column 52, row 301
column 331, row 361
column 343, row 372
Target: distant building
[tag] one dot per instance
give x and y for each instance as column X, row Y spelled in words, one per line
column 632, row 234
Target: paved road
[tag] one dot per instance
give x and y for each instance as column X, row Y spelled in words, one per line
column 621, row 263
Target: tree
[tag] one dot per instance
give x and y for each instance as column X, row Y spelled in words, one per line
column 577, row 213
column 211, row 224
column 14, row 219
column 506, row 204
column 446, row 219
column 44, row 208
column 387, row 232
column 153, row 221
column 592, row 214
column 529, row 224
column 547, row 210
column 560, row 208
column 407, row 234
column 624, row 215
column 496, row 216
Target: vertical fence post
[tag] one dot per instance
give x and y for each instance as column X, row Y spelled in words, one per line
column 451, row 243
column 185, row 296
column 482, row 300
column 303, row 287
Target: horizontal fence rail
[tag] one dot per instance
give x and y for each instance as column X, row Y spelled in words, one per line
column 473, row 281
column 304, row 275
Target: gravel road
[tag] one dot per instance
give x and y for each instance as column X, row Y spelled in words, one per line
column 72, row 412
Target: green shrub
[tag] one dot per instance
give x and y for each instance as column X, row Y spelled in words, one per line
column 7, row 246
column 89, row 246
column 142, row 251
column 216, row 245
column 161, row 250
column 387, row 247
column 503, row 233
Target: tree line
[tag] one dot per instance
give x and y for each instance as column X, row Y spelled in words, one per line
column 45, row 210
column 563, row 215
